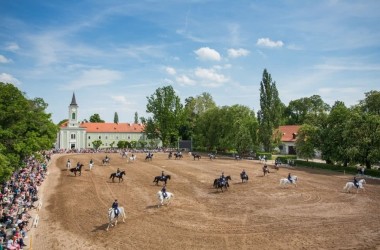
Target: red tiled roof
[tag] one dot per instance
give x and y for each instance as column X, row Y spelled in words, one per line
column 289, row 132
column 92, row 127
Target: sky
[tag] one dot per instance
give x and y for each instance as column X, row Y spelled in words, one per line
column 114, row 54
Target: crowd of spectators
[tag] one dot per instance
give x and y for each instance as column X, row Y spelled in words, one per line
column 18, row 196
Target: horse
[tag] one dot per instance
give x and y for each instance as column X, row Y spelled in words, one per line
column 75, row 170
column 178, row 156
column 161, row 178
column 132, row 158
column 106, row 161
column 265, row 170
column 162, row 200
column 244, row 177
column 220, row 184
column 170, row 155
column 285, row 181
column 196, row 156
column 211, row 156
column 113, row 218
column 124, row 154
column 149, row 157
column 350, row 185
column 120, row 176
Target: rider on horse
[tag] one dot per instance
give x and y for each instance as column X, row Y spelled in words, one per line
column 118, row 172
column 91, row 161
column 163, row 190
column 78, row 165
column 290, row 178
column 243, row 174
column 355, row 181
column 115, row 206
column 163, row 177
column 68, row 162
column 222, row 179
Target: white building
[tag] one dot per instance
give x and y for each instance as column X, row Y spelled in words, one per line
column 80, row 135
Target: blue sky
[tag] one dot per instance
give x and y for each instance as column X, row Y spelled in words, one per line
column 113, row 54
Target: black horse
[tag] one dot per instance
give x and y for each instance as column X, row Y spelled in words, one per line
column 218, row 183
column 76, row 170
column 149, row 157
column 196, row 156
column 244, row 177
column 178, row 156
column 161, row 178
column 170, row 155
column 120, row 176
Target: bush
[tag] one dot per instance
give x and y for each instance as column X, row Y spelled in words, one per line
column 262, row 154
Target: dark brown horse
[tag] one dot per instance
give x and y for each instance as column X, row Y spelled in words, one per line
column 76, row 170
column 120, row 176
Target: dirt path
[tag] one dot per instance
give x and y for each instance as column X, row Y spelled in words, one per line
column 254, row 215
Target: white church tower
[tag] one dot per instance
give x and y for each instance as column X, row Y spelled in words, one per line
column 71, row 136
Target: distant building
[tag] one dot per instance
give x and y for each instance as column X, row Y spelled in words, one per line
column 80, row 135
column 288, row 139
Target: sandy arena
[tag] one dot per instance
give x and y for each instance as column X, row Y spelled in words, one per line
column 254, row 215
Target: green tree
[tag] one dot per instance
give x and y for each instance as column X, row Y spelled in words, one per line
column 305, row 141
column 96, row 118
column 96, row 144
column 167, row 115
column 136, row 117
column 116, row 118
column 25, row 127
column 270, row 114
column 371, row 103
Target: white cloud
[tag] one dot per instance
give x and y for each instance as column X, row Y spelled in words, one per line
column 185, row 80
column 234, row 53
column 121, row 100
column 94, row 77
column 3, row 59
column 210, row 77
column 170, row 71
column 206, row 53
column 12, row 47
column 7, row 78
column 348, row 67
column 266, row 42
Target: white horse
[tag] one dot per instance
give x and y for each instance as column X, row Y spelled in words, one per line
column 132, row 158
column 285, row 181
column 91, row 166
column 112, row 218
column 162, row 200
column 350, row 185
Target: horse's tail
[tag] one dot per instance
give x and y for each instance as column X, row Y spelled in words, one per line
column 110, row 176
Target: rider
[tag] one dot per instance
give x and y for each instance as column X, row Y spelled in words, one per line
column 243, row 173
column 163, row 190
column 222, row 179
column 356, row 183
column 163, row 175
column 118, row 172
column 115, row 206
column 78, row 165
column 68, row 161
column 91, row 161
column 290, row 178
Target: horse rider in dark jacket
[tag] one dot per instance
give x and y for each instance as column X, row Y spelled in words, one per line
column 290, row 178
column 243, row 174
column 163, row 190
column 115, row 206
column 163, row 177
column 356, row 183
column 222, row 179
column 118, row 172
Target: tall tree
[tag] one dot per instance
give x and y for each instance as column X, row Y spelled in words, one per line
column 96, row 118
column 305, row 143
column 136, row 118
column 270, row 114
column 116, row 118
column 25, row 128
column 371, row 103
column 167, row 115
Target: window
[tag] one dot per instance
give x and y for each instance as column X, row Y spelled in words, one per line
column 106, row 137
column 73, row 116
column 89, row 144
column 73, row 136
column 129, row 137
column 89, row 137
column 100, row 137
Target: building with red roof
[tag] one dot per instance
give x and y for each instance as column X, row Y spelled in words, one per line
column 288, row 138
column 80, row 135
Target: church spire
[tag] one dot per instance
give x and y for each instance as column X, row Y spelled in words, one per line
column 73, row 101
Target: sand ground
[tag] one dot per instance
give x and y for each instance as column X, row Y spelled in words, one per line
column 258, row 214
